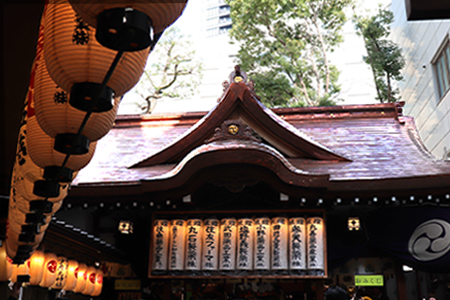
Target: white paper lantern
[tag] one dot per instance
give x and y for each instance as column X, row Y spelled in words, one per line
column 315, row 246
column 210, row 245
column 73, row 56
column 36, row 267
column 50, row 265
column 160, row 245
column 262, row 244
column 98, row 284
column 13, row 243
column 40, row 147
column 11, row 246
column 161, row 13
column 23, row 164
column 19, row 270
column 90, row 281
column 16, row 219
column 5, row 264
column 177, row 244
column 297, row 244
column 24, row 167
column 245, row 244
column 81, row 277
column 71, row 281
column 25, row 189
column 61, row 273
column 193, row 244
column 16, row 201
column 59, row 119
column 280, row 244
column 227, row 253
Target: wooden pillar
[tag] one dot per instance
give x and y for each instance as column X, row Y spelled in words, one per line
column 167, row 290
column 320, row 289
column 401, row 284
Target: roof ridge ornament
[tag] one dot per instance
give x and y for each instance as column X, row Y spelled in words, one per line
column 238, row 76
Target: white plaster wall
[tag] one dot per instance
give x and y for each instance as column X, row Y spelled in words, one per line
column 420, row 41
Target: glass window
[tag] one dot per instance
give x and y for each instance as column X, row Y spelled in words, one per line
column 442, row 69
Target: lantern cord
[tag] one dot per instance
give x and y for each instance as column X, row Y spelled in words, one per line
column 89, row 112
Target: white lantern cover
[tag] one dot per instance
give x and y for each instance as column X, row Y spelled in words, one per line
column 40, row 147
column 245, row 244
column 81, row 277
column 279, row 243
column 162, row 13
column 98, row 284
column 177, row 244
column 71, row 281
column 16, row 219
column 210, row 248
column 73, row 55
column 5, row 264
column 36, row 263
column 56, row 116
column 90, row 281
column 315, row 242
column 13, row 243
column 24, row 188
column 160, row 245
column 193, row 244
column 19, row 270
column 262, row 244
column 61, row 273
column 297, row 244
column 50, row 265
column 227, row 254
column 23, row 164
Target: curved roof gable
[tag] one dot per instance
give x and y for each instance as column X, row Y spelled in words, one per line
column 240, row 106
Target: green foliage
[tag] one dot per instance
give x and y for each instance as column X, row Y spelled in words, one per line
column 284, row 46
column 171, row 71
column 384, row 56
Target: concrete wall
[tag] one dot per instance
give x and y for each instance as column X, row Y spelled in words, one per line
column 421, row 41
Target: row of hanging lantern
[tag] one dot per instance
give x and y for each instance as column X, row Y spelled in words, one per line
column 294, row 244
column 87, row 57
column 48, row 270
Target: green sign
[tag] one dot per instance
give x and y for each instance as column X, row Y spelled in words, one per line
column 127, row 284
column 369, row 280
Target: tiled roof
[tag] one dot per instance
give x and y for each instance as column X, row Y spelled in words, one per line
column 348, row 145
